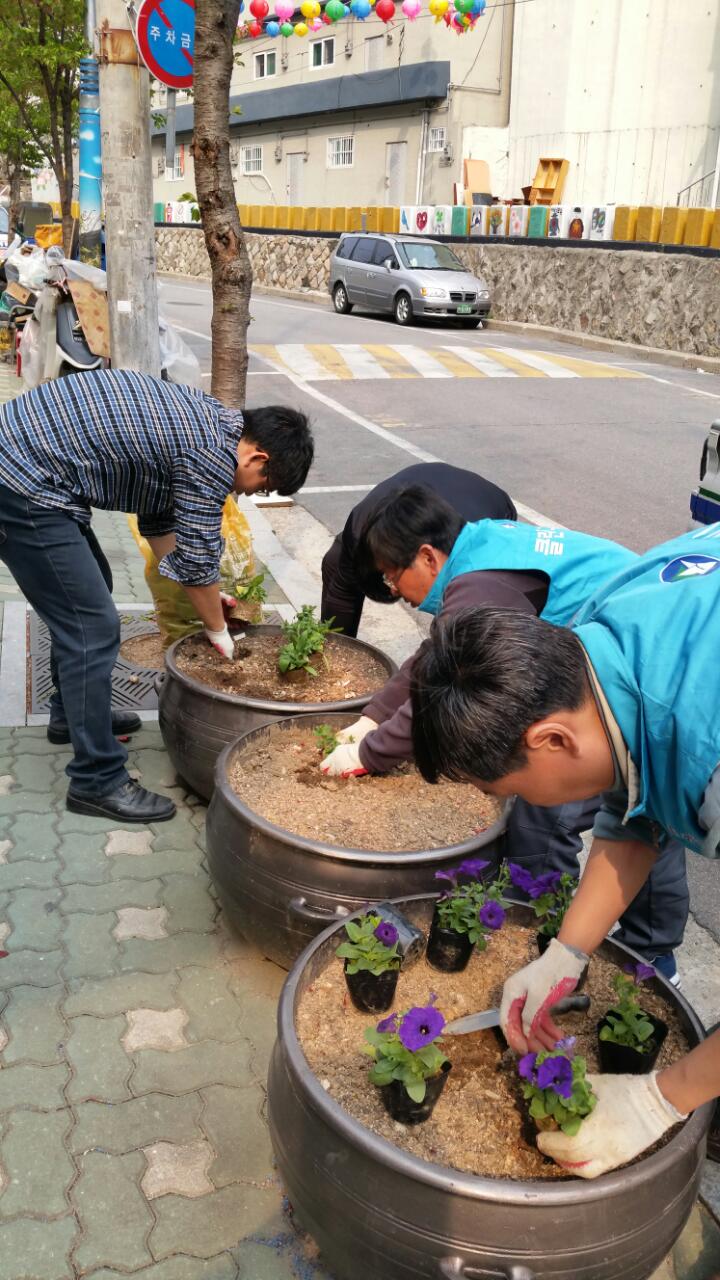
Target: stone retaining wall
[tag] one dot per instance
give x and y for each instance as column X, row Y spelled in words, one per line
column 666, row 300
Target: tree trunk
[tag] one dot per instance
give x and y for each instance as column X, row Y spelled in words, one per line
column 16, row 183
column 215, row 25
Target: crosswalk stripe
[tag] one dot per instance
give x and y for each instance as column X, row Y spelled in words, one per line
column 298, row 359
column 361, row 361
column 591, row 368
column 452, row 360
column 391, row 360
column 423, row 362
column 512, row 362
column 539, row 362
column 481, row 361
column 331, row 359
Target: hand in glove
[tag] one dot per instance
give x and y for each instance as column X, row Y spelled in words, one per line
column 343, row 762
column 357, row 731
column 228, row 604
column 222, row 641
column 631, row 1113
column 529, row 995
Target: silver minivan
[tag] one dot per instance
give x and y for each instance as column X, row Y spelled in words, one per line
column 410, row 276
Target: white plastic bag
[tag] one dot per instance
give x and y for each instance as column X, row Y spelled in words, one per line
column 31, row 354
column 180, row 363
column 30, row 266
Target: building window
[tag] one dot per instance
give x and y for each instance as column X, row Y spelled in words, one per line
column 264, row 65
column 178, row 167
column 437, row 139
column 374, row 56
column 322, row 52
column 251, row 159
column 341, row 152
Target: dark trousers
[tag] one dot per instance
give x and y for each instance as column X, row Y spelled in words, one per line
column 549, row 840
column 61, row 570
column 341, row 597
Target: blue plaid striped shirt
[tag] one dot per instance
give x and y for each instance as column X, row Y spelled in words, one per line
column 123, row 441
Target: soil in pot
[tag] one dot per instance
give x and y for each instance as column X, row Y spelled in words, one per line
column 347, row 671
column 447, row 949
column 279, row 778
column 622, row 1059
column 145, row 651
column 477, row 1125
column 372, row 992
column 398, row 1103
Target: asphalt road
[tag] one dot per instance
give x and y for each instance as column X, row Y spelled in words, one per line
column 609, row 444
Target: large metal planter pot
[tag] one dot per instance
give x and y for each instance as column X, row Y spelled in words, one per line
column 196, row 721
column 280, row 890
column 376, row 1211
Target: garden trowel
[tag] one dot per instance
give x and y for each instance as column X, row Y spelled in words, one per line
column 491, row 1017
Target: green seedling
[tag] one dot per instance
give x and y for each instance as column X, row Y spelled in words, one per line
column 325, row 739
column 252, row 591
column 304, row 636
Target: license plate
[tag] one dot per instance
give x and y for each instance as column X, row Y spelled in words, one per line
column 464, row 310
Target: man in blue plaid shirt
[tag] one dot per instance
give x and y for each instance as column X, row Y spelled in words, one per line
column 124, row 441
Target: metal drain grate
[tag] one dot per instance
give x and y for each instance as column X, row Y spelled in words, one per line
column 133, row 687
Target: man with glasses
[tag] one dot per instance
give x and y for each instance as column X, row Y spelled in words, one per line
column 439, row 563
column 123, row 441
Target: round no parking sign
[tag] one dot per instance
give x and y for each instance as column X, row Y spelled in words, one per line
column 165, row 34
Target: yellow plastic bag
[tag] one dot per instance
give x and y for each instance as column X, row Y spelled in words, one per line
column 48, row 233
column 175, row 614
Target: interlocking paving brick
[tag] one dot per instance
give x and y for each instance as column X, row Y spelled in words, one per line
column 33, row 968
column 39, row 1250
column 180, row 857
column 107, row 996
column 284, row 1254
column 36, row 772
column 83, row 858
column 164, row 954
column 218, row 1268
column 27, row 802
column 137, row 1123
column 155, row 1029
column 215, row 1222
column 35, row 920
column 27, row 1085
column 7, row 784
column 93, row 952
column 234, row 1123
column 189, row 904
column 5, row 847
column 156, row 769
column 115, row 1215
column 134, row 844
column 33, row 836
column 36, row 1028
column 111, row 895
column 29, row 874
column 214, row 1014
column 38, row 1167
column 140, row 922
column 180, row 1170
column 100, row 1065
column 192, row 1068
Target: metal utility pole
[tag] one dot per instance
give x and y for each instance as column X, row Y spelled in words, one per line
column 127, row 180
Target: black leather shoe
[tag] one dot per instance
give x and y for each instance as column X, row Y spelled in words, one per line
column 123, row 723
column 127, row 803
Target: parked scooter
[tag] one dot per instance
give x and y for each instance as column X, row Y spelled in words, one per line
column 54, row 344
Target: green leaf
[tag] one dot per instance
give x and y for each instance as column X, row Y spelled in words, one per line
column 416, row 1090
column 571, row 1126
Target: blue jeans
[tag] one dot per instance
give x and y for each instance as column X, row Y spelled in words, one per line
column 61, row 570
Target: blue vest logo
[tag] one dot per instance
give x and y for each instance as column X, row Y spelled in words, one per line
column 690, row 566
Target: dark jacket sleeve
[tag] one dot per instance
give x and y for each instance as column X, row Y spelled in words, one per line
column 391, row 742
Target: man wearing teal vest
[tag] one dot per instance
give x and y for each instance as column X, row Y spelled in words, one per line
column 437, row 561
column 626, row 702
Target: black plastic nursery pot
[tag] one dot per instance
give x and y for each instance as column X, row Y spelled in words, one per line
column 372, row 992
column 280, row 890
column 197, row 722
column 446, row 948
column 621, row 1059
column 376, row 1210
column 398, row 1103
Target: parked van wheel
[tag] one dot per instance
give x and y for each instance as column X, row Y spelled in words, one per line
column 402, row 309
column 342, row 303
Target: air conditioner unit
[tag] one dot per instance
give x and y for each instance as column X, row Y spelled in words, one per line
column 447, row 154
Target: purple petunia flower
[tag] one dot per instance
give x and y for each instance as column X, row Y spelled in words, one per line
column 644, row 972
column 386, row 933
column 526, row 1066
column 472, row 867
column 567, row 1044
column 546, row 884
column 556, row 1073
column 445, row 875
column 388, row 1024
column 420, row 1027
column 521, row 877
column 492, row 915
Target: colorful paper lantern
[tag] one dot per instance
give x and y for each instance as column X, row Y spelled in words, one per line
column 438, row 9
column 272, row 29
column 284, row 10
column 385, row 10
column 286, row 29
column 310, row 9
column 464, row 6
column 301, row 29
column 316, row 24
column 334, row 10
column 259, row 9
column 361, row 9
column 413, row 8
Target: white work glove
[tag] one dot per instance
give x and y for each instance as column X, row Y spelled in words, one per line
column 343, row 762
column 357, row 731
column 222, row 641
column 228, row 604
column 529, row 995
column 630, row 1115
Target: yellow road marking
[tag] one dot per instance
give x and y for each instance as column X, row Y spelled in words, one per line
column 458, row 367
column 391, row 361
column 329, row 357
column 510, row 362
